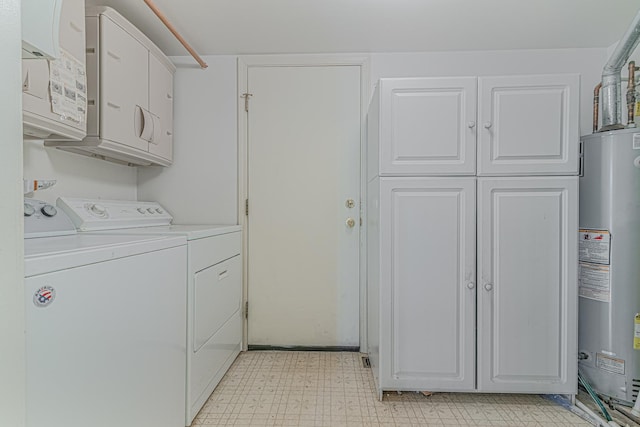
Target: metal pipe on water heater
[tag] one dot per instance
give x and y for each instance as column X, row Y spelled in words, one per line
column 611, row 76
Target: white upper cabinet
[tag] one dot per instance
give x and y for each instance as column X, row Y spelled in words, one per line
column 130, row 94
column 124, row 88
column 40, row 118
column 427, row 126
column 528, row 125
column 527, row 284
column 517, row 125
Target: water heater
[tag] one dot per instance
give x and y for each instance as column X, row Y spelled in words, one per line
column 609, row 307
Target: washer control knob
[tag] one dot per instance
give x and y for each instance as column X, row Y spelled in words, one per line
column 142, row 210
column 150, row 210
column 49, row 210
column 29, row 209
column 160, row 211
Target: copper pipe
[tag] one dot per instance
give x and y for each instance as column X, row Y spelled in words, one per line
column 596, row 106
column 173, row 30
column 631, row 95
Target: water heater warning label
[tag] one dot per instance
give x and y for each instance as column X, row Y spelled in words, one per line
column 610, row 364
column 594, row 282
column 595, row 246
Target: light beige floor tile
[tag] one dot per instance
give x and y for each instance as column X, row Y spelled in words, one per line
column 333, row 389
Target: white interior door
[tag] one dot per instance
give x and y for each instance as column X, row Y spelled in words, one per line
column 303, row 149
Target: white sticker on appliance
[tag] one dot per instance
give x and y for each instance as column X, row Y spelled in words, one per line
column 595, row 246
column 594, row 281
column 636, row 141
column 610, row 364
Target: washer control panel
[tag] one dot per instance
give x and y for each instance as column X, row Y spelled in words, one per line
column 42, row 219
column 97, row 214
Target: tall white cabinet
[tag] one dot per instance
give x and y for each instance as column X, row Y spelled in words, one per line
column 472, row 234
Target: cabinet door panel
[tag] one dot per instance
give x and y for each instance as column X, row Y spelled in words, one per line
column 527, row 295
column 161, row 104
column 72, row 28
column 528, row 125
column 428, row 126
column 124, row 84
column 428, row 256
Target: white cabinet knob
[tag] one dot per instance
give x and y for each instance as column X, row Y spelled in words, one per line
column 488, row 287
column 471, row 285
column 488, row 125
column 471, row 125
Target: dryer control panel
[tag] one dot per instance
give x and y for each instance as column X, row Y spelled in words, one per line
column 98, row 214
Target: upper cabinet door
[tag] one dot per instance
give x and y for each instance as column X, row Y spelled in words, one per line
column 428, row 126
column 161, row 105
column 124, row 85
column 527, row 284
column 72, row 28
column 427, row 283
column 528, row 125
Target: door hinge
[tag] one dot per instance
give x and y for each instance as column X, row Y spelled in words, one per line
column 246, row 96
column 246, row 207
column 246, row 309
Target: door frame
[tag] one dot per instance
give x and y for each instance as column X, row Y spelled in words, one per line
column 246, row 62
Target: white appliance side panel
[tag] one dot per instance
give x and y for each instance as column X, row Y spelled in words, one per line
column 217, row 295
column 111, row 346
column 124, row 85
column 428, row 283
column 528, row 125
column 428, row 126
column 211, row 362
column 527, row 295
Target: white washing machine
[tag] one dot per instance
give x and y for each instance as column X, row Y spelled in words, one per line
column 214, row 290
column 105, row 325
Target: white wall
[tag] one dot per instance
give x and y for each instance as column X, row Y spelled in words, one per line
column 201, row 186
column 587, row 62
column 12, row 342
column 77, row 175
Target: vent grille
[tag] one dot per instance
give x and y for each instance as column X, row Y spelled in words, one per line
column 635, row 388
column 366, row 363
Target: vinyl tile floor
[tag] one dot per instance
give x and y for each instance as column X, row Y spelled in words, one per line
column 294, row 388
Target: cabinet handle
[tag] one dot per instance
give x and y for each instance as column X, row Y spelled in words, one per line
column 471, row 285
column 488, row 287
column 169, row 133
column 223, row 274
column 169, row 96
column 488, row 125
column 112, row 105
column 471, row 125
column 75, row 27
column 113, row 55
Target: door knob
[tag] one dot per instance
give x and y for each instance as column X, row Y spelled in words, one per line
column 488, row 125
column 351, row 222
column 471, row 285
column 488, row 286
column 350, row 203
column 471, row 125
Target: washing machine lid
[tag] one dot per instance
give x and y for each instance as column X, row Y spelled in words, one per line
column 49, row 254
column 191, row 232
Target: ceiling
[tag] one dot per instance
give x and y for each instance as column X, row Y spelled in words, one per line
column 334, row 26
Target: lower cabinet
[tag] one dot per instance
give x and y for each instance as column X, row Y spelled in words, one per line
column 473, row 284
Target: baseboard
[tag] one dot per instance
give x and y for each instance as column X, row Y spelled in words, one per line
column 301, row 348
